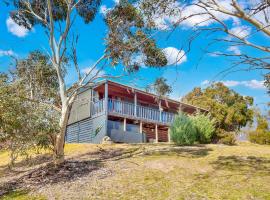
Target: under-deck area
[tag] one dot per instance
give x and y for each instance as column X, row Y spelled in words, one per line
column 122, row 130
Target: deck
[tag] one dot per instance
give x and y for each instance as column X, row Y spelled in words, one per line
column 131, row 111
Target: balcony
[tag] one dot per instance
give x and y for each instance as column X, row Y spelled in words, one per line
column 130, row 110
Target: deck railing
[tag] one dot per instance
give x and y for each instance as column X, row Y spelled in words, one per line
column 127, row 109
column 141, row 112
column 121, row 107
column 97, row 107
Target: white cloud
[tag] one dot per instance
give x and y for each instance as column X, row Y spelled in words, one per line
column 231, row 83
column 241, row 31
column 15, row 29
column 253, row 84
column 104, row 9
column 215, row 54
column 174, row 56
column 194, row 15
column 6, row 53
column 234, row 49
column 205, row 82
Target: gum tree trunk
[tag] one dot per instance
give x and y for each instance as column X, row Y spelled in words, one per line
column 60, row 138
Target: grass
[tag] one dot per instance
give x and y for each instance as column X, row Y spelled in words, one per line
column 22, row 195
column 167, row 172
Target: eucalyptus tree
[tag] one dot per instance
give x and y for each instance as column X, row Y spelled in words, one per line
column 39, row 78
column 38, row 83
column 127, row 37
column 161, row 89
column 24, row 124
column 230, row 110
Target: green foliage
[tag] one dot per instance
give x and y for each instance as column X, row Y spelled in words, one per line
column 205, row 127
column 86, row 9
column 128, row 38
column 262, row 133
column 262, row 123
column 160, row 87
column 21, row 195
column 27, row 101
column 259, row 136
column 267, row 83
column 225, row 137
column 183, row 131
column 21, row 125
column 230, row 110
column 38, row 76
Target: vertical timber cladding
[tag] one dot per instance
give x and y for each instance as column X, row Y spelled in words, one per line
column 80, row 132
column 90, row 130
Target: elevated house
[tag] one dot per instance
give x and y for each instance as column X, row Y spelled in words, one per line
column 124, row 113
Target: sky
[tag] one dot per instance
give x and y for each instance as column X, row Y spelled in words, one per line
column 195, row 69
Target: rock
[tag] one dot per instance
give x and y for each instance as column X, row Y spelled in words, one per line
column 107, row 140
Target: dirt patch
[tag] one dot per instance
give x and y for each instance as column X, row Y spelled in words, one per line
column 164, row 166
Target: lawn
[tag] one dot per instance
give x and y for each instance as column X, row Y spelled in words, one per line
column 153, row 171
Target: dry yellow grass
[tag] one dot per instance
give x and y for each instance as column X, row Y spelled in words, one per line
column 167, row 172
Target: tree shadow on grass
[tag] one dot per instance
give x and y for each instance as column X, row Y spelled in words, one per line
column 109, row 154
column 251, row 164
column 70, row 170
column 50, row 174
column 25, row 165
column 189, row 152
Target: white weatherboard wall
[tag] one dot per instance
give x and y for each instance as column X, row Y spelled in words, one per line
column 81, row 107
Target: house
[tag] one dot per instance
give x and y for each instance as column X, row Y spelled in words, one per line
column 124, row 113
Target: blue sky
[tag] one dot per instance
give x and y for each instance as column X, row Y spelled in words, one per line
column 196, row 69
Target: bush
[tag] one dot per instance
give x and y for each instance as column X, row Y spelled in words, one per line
column 225, row 137
column 259, row 136
column 205, row 127
column 183, row 131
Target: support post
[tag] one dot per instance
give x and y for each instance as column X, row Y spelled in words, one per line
column 125, row 124
column 156, row 131
column 160, row 111
column 169, row 136
column 106, row 106
column 135, row 103
column 141, row 127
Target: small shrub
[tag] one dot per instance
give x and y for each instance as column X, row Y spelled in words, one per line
column 205, row 127
column 183, row 131
column 225, row 137
column 259, row 137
